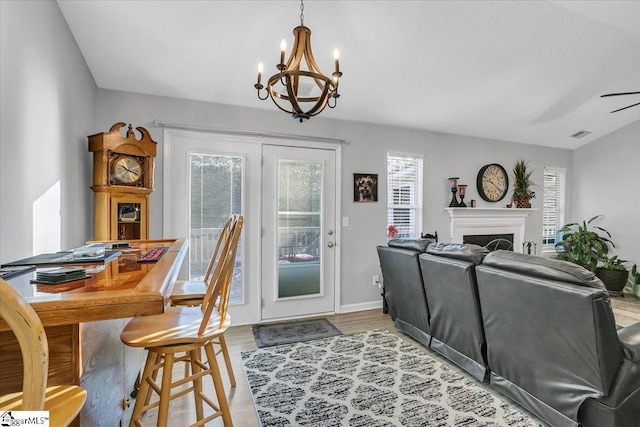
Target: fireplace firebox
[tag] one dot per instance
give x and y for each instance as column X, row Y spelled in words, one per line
column 490, row 241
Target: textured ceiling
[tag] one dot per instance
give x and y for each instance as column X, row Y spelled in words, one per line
column 522, row 71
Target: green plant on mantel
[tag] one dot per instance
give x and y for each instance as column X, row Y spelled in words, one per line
column 522, row 184
column 584, row 244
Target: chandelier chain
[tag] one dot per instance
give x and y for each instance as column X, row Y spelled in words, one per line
column 302, row 13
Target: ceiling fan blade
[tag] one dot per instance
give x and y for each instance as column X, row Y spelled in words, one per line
column 618, row 94
column 620, row 109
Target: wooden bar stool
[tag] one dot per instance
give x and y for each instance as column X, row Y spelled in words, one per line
column 183, row 331
column 63, row 402
column 191, row 293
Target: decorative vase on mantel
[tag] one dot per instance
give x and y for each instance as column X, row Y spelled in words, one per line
column 523, row 202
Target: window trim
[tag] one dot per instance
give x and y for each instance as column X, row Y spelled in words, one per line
column 561, row 204
column 416, row 192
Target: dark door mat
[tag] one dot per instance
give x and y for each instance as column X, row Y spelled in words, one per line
column 271, row 334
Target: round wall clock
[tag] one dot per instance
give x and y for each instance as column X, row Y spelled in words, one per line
column 126, row 170
column 492, row 182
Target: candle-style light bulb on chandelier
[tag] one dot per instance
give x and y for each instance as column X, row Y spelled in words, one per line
column 301, row 93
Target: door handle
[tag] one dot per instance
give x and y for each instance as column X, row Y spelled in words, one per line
column 331, row 244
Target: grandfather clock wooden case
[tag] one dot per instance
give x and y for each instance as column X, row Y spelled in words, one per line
column 122, row 182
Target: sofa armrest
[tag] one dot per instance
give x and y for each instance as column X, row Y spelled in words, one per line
column 630, row 340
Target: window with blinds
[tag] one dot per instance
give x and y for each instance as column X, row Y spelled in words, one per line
column 553, row 206
column 404, row 193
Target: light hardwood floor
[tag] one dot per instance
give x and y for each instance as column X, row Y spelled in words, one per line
column 240, row 338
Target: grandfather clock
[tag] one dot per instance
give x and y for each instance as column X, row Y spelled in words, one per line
column 122, row 182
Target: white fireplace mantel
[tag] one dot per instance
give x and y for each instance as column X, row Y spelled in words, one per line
column 474, row 221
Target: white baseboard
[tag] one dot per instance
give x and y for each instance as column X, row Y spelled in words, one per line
column 350, row 308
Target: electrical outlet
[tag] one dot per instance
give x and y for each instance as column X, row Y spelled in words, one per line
column 376, row 280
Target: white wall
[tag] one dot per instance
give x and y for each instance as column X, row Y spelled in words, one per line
column 50, row 104
column 445, row 156
column 606, row 180
column 47, row 110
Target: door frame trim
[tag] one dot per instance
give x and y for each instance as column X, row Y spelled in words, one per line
column 250, row 133
column 262, row 140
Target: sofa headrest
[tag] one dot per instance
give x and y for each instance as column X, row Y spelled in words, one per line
column 465, row 252
column 542, row 267
column 414, row 244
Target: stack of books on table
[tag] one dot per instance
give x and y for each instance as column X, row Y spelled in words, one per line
column 60, row 274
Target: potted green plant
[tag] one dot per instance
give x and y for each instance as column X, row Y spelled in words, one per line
column 613, row 273
column 634, row 279
column 522, row 183
column 584, row 244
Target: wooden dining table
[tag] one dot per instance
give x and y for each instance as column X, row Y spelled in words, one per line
column 83, row 320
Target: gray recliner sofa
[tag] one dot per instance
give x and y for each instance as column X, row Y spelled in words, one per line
column 402, row 286
column 553, row 345
column 449, row 278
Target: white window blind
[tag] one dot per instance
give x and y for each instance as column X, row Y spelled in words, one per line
column 553, row 205
column 404, row 193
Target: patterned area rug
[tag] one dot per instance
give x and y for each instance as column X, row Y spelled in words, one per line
column 291, row 332
column 368, row 379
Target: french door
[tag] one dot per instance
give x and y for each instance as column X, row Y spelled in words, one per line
column 299, row 235
column 287, row 259
column 207, row 178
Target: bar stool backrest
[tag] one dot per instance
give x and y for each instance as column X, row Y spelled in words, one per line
column 219, row 288
column 224, row 235
column 28, row 329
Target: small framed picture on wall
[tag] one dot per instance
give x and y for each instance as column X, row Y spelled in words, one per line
column 365, row 187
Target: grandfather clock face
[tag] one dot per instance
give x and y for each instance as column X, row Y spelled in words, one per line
column 127, row 170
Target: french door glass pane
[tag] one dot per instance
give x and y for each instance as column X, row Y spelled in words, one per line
column 216, row 194
column 299, row 227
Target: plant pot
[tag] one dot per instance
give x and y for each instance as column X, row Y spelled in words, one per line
column 523, row 202
column 636, row 290
column 614, row 280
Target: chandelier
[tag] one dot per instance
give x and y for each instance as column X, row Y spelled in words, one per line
column 301, row 93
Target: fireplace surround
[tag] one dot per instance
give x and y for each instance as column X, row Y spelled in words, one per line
column 488, row 221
